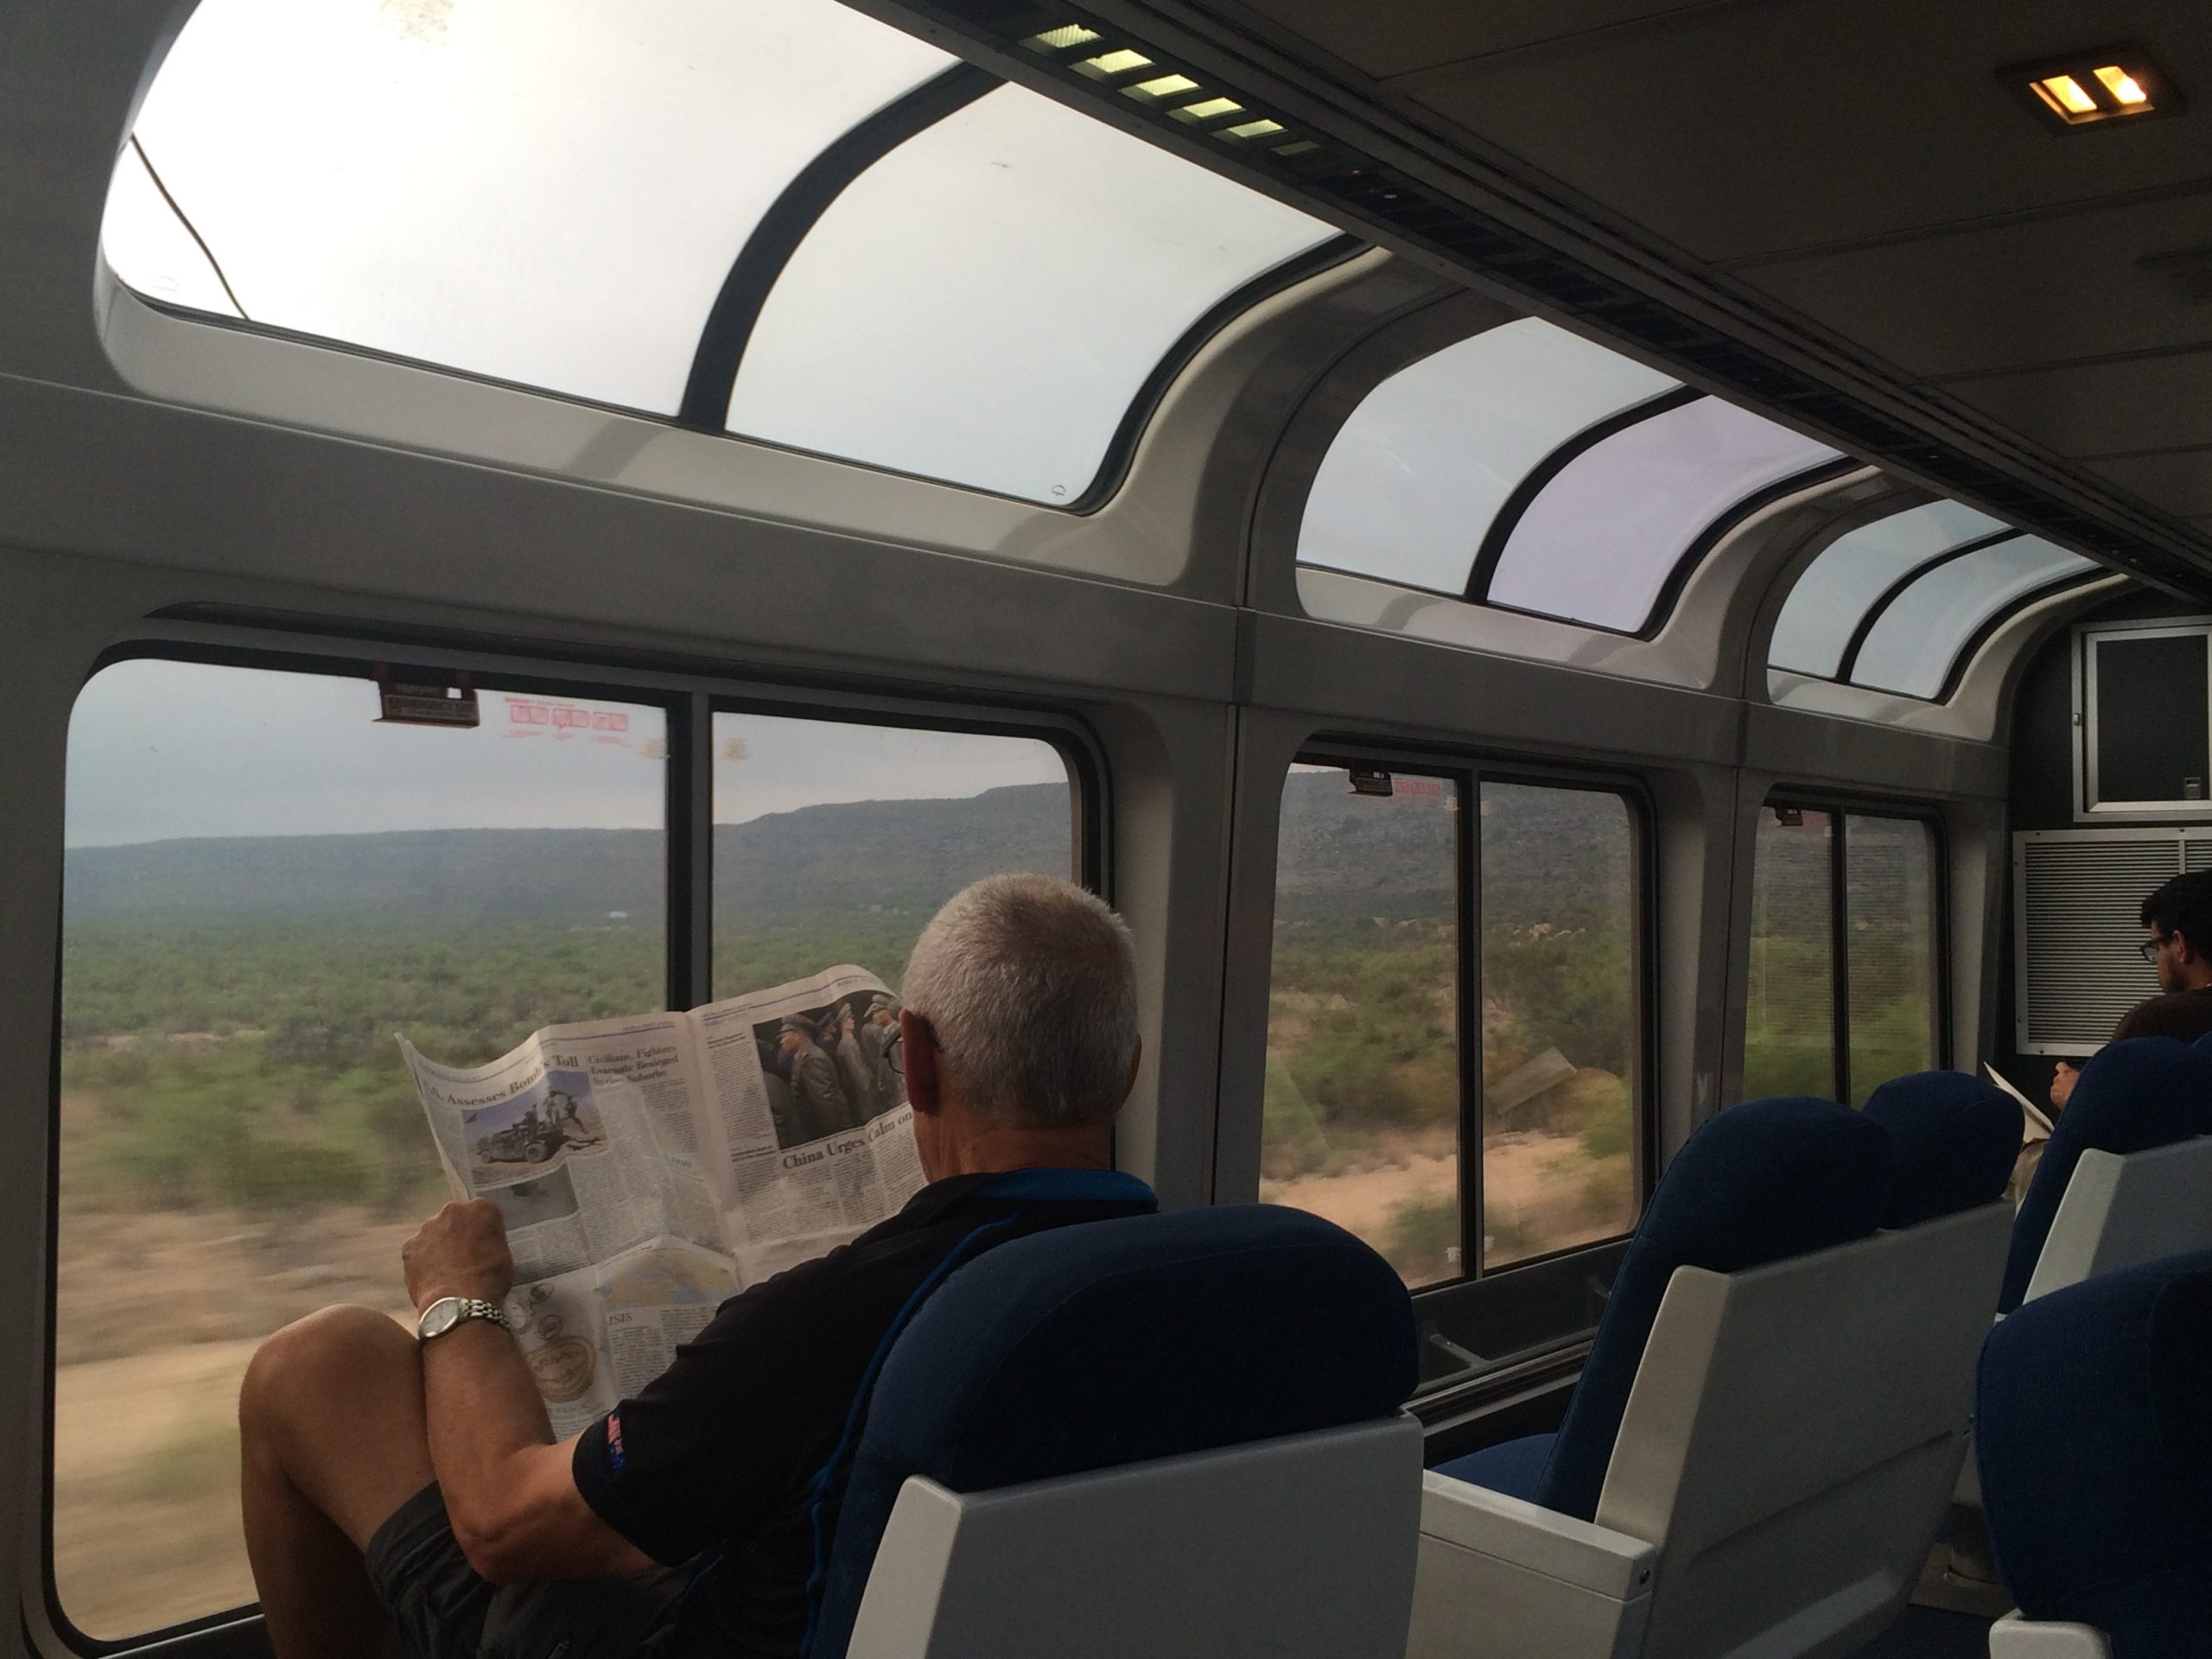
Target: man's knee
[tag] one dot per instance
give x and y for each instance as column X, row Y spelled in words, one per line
column 333, row 1355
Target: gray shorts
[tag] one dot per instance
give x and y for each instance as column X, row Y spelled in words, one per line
column 440, row 1609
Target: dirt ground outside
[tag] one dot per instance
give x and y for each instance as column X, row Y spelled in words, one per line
column 1537, row 1190
column 157, row 1315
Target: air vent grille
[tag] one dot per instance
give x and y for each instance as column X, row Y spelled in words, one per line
column 1103, row 63
column 2076, row 894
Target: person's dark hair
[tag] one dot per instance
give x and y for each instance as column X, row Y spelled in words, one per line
column 2184, row 906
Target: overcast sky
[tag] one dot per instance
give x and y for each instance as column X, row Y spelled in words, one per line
column 160, row 750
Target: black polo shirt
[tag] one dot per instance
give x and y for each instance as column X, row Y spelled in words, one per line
column 715, row 1462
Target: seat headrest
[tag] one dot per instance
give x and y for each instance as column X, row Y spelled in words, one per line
column 1114, row 1342
column 2094, row 1449
column 2146, row 1092
column 1955, row 1139
column 1757, row 1183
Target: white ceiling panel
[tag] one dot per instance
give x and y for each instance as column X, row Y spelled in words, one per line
column 1743, row 130
column 2013, row 295
column 2158, row 403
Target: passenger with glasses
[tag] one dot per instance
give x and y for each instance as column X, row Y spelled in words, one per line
column 2177, row 919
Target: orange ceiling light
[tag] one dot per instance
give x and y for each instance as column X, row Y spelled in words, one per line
column 2109, row 85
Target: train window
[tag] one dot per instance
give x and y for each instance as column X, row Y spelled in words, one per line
column 1415, row 479
column 549, row 192
column 1899, row 605
column 1920, row 635
column 1607, row 537
column 835, row 842
column 1387, row 942
column 263, row 885
column 1364, row 1092
column 1852, row 574
column 1789, row 1013
column 1846, row 986
column 1561, row 1021
column 929, row 322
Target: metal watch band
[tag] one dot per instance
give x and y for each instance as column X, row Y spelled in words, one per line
column 464, row 1309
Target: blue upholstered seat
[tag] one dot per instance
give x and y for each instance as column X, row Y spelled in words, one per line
column 1955, row 1139
column 1757, row 1183
column 1116, row 1342
column 2146, row 1092
column 2094, row 1444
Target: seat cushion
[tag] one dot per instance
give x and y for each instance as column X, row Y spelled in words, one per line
column 1955, row 1138
column 1115, row 1343
column 1757, row 1183
column 2094, row 1446
column 2146, row 1092
column 1515, row 1468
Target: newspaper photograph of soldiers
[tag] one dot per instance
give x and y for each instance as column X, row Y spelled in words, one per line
column 833, row 1068
column 539, row 1198
column 537, row 1127
column 647, row 1165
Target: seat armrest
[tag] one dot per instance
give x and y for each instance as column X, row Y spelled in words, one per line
column 2014, row 1638
column 1501, row 1579
column 1525, row 1534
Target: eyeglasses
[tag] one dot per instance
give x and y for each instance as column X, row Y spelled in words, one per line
column 2150, row 948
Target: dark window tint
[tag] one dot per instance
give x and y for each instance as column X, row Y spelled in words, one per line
column 2150, row 736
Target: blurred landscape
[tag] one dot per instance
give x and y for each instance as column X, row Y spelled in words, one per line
column 239, row 1143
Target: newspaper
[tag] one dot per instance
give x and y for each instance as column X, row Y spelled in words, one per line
column 649, row 1168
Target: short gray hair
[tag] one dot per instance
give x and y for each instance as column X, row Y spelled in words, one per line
column 1030, row 987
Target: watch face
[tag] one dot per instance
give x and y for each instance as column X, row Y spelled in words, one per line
column 440, row 1317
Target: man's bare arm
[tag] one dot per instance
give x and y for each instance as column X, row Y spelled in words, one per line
column 509, row 1490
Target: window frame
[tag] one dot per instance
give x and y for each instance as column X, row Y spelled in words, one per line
column 1840, row 809
column 1499, row 536
column 727, row 327
column 2088, row 638
column 689, row 692
column 1531, row 1284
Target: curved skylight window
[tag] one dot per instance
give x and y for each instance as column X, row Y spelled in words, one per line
column 1601, row 542
column 543, row 191
column 566, row 194
column 1415, row 479
column 1832, row 598
column 986, row 301
column 1919, row 637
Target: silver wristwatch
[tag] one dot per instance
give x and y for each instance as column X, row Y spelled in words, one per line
column 447, row 1312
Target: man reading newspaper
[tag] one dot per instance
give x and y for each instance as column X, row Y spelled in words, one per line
column 411, row 1485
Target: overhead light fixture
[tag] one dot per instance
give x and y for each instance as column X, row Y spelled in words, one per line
column 2102, row 86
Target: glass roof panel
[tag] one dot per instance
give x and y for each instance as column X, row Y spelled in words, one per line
column 144, row 234
column 1599, row 542
column 1914, row 641
column 544, row 191
column 1838, row 587
column 1413, row 478
column 985, row 303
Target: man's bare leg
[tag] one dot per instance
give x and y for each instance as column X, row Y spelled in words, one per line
column 333, row 1440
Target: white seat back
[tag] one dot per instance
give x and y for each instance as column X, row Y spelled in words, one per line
column 2123, row 1211
column 1301, row 1547
column 1793, row 1435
